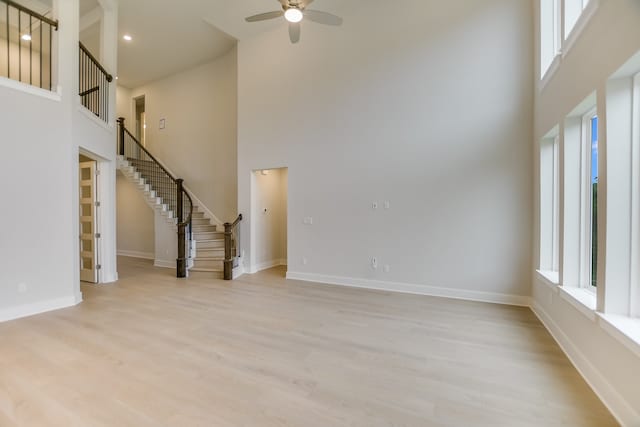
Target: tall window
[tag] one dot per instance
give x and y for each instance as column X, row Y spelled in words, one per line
column 549, row 33
column 572, row 11
column 549, row 204
column 594, row 198
column 589, row 240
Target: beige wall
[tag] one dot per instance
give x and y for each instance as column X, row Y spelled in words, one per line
column 198, row 143
column 270, row 211
column 433, row 113
column 124, row 105
column 135, row 221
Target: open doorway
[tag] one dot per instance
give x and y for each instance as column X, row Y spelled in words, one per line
column 88, row 205
column 269, row 218
column 140, row 119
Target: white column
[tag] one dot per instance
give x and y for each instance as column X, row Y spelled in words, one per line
column 109, row 49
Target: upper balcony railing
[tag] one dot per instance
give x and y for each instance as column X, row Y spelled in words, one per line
column 94, row 84
column 26, row 40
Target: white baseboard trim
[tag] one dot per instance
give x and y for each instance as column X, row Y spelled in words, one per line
column 408, row 288
column 164, row 264
column 238, row 271
column 32, row 309
column 136, row 254
column 267, row 265
column 618, row 406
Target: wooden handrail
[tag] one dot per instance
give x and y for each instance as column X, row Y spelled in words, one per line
column 30, row 12
column 183, row 223
column 236, row 221
column 96, row 62
column 90, row 91
column 121, row 122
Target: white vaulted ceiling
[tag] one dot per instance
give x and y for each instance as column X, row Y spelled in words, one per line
column 168, row 37
column 171, row 36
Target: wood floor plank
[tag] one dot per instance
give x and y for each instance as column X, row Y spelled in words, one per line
column 153, row 350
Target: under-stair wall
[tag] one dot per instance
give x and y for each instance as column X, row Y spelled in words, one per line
column 136, row 230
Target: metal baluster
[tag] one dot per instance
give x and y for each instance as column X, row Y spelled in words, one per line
column 40, row 48
column 8, row 47
column 19, row 45
column 30, row 50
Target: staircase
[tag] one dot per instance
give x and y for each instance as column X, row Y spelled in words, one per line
column 206, row 246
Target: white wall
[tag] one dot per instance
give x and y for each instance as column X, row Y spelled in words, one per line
column 198, row 143
column 135, row 221
column 270, row 218
column 124, row 105
column 607, row 364
column 43, row 134
column 36, row 248
column 427, row 105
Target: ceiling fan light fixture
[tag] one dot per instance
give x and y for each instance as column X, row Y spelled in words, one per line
column 293, row 15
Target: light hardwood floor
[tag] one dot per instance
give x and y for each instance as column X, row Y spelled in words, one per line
column 153, row 350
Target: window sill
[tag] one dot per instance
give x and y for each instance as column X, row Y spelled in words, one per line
column 549, row 278
column 579, row 26
column 546, row 77
column 32, row 90
column 583, row 300
column 624, row 329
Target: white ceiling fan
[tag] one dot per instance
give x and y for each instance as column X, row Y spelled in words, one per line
column 294, row 11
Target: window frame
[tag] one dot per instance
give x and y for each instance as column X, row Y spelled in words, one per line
column 550, row 203
column 586, row 202
column 579, row 6
column 634, row 288
column 551, row 51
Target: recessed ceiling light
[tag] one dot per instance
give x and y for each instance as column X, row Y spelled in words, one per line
column 127, row 37
column 26, row 37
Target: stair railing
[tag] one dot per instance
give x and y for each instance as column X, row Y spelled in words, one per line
column 232, row 248
column 28, row 40
column 94, row 84
column 166, row 186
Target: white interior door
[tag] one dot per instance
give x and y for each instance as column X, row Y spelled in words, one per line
column 88, row 221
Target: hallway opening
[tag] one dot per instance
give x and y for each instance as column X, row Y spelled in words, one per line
column 269, row 218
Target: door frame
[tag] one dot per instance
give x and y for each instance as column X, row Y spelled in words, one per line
column 90, row 275
column 106, row 218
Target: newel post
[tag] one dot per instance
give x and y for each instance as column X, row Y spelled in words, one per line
column 121, row 135
column 181, row 262
column 228, row 259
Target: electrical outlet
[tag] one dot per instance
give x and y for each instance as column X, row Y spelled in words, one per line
column 305, row 261
column 374, row 263
column 387, row 204
column 308, row 220
column 387, row 268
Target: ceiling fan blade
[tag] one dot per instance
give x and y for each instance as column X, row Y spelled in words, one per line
column 322, row 17
column 265, row 16
column 294, row 32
